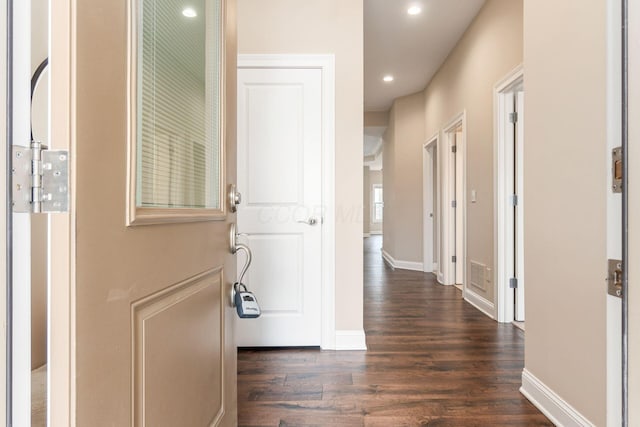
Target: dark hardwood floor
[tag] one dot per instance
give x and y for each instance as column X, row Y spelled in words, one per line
column 433, row 360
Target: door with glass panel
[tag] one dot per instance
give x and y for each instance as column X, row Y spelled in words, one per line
column 152, row 124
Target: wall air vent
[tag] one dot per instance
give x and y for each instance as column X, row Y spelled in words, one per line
column 477, row 276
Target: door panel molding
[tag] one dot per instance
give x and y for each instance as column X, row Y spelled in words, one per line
column 325, row 63
column 174, row 314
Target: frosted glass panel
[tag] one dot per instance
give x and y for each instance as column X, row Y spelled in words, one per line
column 179, row 102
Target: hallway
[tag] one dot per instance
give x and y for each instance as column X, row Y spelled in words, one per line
column 433, row 360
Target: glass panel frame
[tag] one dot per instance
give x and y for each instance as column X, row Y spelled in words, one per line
column 143, row 215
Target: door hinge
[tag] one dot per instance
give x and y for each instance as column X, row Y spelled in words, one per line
column 454, row 259
column 454, row 204
column 513, row 283
column 514, row 200
column 614, row 279
column 454, row 148
column 513, row 117
column 40, row 179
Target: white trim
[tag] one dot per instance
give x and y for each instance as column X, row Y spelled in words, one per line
column 503, row 188
column 3, row 214
column 388, row 258
column 614, row 212
column 326, row 63
column 479, row 302
column 448, row 267
column 20, row 302
column 402, row 265
column 550, row 404
column 351, row 340
column 375, row 233
column 365, row 235
column 430, row 202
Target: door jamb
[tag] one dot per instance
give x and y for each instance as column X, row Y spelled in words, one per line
column 430, row 205
column 325, row 63
column 447, row 197
column 5, row 259
column 62, row 281
column 503, row 252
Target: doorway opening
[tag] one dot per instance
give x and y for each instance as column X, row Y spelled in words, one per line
column 431, row 209
column 509, row 122
column 454, row 204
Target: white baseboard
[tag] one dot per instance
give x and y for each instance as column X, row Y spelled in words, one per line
column 403, row 265
column 550, row 404
column 351, row 340
column 376, row 232
column 481, row 303
column 388, row 258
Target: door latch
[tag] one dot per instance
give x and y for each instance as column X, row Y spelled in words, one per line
column 615, row 277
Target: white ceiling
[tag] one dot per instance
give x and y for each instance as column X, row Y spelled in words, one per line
column 411, row 48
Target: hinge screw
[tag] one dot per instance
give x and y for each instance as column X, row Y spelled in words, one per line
column 18, row 154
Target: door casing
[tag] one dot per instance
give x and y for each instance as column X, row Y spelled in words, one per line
column 431, row 207
column 448, row 190
column 505, row 233
column 326, row 63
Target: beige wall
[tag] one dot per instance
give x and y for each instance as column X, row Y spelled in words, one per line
column 565, row 191
column 403, row 140
column 376, row 118
column 375, row 177
column 325, row 27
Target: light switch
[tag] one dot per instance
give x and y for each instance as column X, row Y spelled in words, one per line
column 473, row 196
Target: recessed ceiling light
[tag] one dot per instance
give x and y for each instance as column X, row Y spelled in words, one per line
column 189, row 12
column 414, row 10
column 388, row 78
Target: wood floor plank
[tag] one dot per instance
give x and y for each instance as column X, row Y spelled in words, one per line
column 432, row 360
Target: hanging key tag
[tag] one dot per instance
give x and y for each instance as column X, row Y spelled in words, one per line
column 246, row 303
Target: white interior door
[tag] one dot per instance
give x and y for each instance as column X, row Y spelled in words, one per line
column 519, row 208
column 279, row 175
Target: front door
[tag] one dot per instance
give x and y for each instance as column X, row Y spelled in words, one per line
column 151, row 325
column 279, row 175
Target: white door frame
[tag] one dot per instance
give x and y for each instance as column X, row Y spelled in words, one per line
column 325, row 63
column 430, row 205
column 614, row 211
column 448, row 178
column 631, row 313
column 4, row 212
column 20, row 223
column 504, row 167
